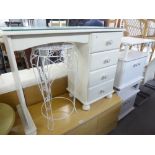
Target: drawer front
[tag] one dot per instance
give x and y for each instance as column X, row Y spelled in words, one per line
column 103, row 59
column 102, row 75
column 105, row 41
column 135, row 68
column 100, row 90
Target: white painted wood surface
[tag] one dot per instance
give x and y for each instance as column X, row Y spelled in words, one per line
column 135, row 41
column 102, row 75
column 103, row 59
column 14, row 31
column 105, row 41
column 97, row 67
column 131, row 69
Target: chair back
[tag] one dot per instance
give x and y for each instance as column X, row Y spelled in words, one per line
column 150, row 28
column 117, row 23
column 134, row 27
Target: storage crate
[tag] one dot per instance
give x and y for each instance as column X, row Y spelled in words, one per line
column 127, row 106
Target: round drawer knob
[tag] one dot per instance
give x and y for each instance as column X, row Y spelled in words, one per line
column 106, row 61
column 101, row 91
column 109, row 42
column 103, row 77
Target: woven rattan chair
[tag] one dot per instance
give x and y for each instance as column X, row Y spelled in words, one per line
column 117, row 23
column 135, row 28
column 150, row 33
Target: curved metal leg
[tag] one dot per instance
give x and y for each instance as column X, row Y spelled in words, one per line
column 41, row 60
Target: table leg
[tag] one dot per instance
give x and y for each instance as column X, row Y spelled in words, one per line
column 149, row 49
column 126, row 52
column 25, row 116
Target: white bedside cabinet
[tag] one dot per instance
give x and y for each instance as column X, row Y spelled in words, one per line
column 97, row 63
column 131, row 69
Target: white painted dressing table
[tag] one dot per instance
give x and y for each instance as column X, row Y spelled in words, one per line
column 97, row 54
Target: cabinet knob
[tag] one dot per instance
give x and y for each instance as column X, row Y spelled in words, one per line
column 106, row 61
column 101, row 91
column 109, row 42
column 135, row 65
column 103, row 77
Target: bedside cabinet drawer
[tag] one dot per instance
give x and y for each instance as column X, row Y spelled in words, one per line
column 102, row 75
column 128, row 72
column 103, row 59
column 105, row 41
column 100, row 90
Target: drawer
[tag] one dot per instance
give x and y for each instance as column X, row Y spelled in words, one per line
column 102, row 75
column 135, row 68
column 103, row 59
column 100, row 90
column 105, row 41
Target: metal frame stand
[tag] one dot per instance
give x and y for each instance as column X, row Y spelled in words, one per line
column 42, row 60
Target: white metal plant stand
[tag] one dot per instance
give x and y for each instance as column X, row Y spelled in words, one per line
column 42, row 59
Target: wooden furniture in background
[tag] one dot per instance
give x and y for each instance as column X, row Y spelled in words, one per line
column 140, row 28
column 101, row 119
column 134, row 27
column 113, row 23
column 150, row 33
column 32, row 94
